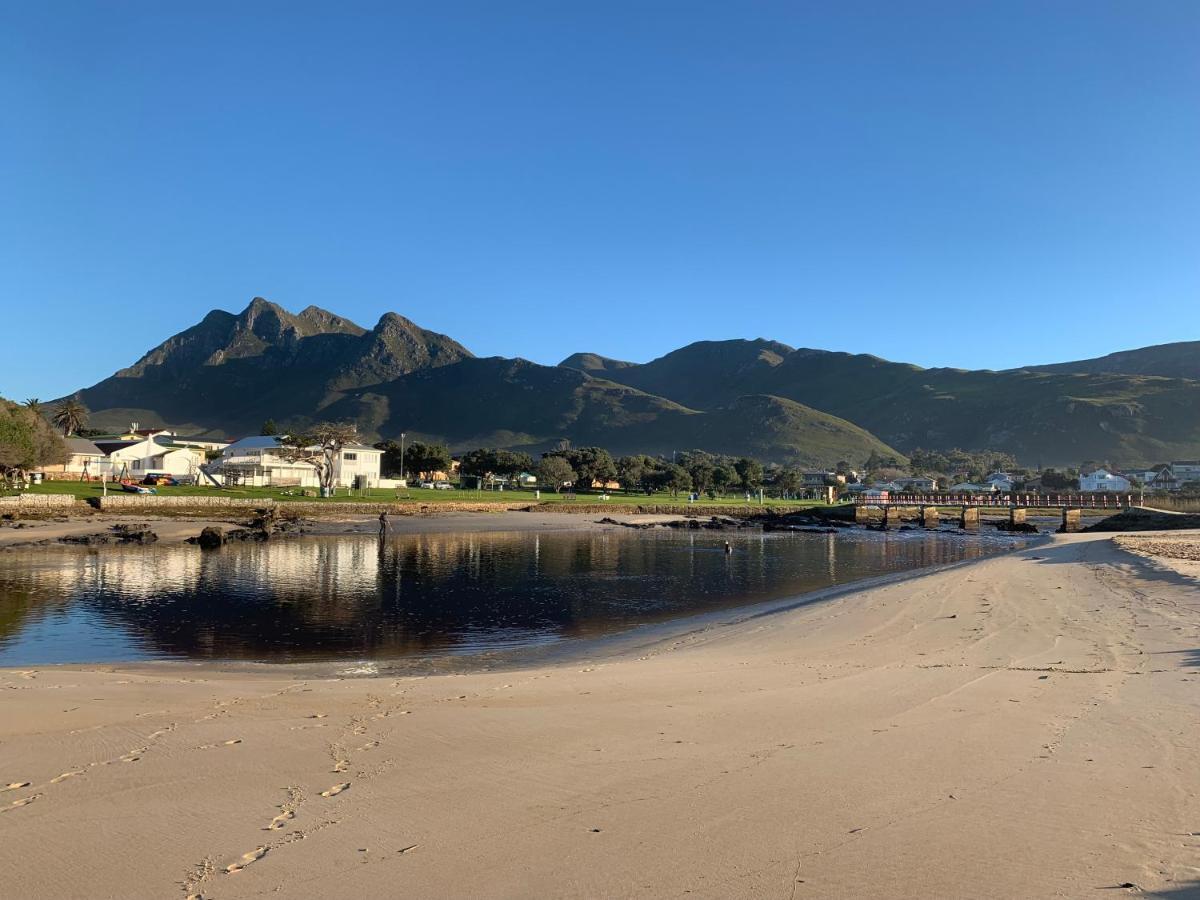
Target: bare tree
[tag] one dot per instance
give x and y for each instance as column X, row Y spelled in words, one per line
column 319, row 447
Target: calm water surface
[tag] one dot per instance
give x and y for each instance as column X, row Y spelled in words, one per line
column 353, row 598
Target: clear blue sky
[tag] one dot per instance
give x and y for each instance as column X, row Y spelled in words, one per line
column 969, row 184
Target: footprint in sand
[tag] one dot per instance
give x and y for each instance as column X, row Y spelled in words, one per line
column 336, row 789
column 17, row 804
column 228, row 743
column 280, row 820
column 134, row 755
column 58, row 779
column 15, row 785
column 247, row 858
column 340, row 765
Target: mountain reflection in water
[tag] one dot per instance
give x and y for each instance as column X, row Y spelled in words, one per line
column 352, row 597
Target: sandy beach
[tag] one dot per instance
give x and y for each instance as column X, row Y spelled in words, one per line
column 1022, row 726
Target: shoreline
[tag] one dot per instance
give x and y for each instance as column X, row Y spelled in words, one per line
column 560, row 651
column 1019, row 725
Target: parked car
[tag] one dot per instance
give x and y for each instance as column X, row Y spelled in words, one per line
column 443, row 486
column 426, row 485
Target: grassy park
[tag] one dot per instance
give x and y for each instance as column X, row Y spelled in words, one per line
column 87, row 490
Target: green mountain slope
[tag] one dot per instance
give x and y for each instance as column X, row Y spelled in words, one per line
column 1046, row 417
column 1178, row 360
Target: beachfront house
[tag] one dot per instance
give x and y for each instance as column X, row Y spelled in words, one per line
column 157, row 454
column 259, row 462
column 1103, row 480
column 84, row 458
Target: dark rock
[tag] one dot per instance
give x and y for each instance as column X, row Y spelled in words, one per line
column 209, row 539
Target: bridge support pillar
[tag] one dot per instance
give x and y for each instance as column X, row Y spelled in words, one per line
column 929, row 516
column 970, row 517
column 891, row 517
column 1070, row 521
column 1016, row 516
column 862, row 516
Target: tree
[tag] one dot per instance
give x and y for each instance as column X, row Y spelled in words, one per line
column 554, row 471
column 724, row 477
column 676, row 478
column 788, row 481
column 631, row 471
column 418, row 458
column 490, row 461
column 701, row 470
column 269, row 428
column 591, row 464
column 70, row 415
column 319, row 447
column 749, row 473
column 27, row 440
column 33, row 403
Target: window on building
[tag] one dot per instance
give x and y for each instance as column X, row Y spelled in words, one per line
column 350, row 457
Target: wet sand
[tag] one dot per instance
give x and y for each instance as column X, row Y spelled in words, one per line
column 1023, row 726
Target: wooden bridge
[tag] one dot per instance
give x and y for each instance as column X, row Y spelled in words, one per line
column 966, row 507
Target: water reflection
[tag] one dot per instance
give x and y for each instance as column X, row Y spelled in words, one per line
column 354, row 597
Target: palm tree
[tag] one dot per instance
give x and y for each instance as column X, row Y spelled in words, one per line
column 70, row 415
column 34, row 404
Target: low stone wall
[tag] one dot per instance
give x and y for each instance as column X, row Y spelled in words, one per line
column 145, row 502
column 36, row 502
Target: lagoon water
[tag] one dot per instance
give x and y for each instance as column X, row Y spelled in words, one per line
column 427, row 596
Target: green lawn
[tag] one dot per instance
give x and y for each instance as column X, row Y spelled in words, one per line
column 84, row 490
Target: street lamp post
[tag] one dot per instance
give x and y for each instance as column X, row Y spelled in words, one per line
column 402, row 478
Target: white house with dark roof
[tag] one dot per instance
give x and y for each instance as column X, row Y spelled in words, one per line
column 83, row 458
column 156, row 454
column 259, row 462
column 1103, row 480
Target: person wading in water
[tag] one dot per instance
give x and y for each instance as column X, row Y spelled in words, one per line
column 383, row 524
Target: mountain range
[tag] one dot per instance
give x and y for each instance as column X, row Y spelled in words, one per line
column 228, row 373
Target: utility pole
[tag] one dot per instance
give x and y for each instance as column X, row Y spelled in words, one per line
column 402, row 478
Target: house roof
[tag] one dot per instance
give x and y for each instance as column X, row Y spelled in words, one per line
column 83, row 447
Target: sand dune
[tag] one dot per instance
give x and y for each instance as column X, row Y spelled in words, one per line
column 1024, row 726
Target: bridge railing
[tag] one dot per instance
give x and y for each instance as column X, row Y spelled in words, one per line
column 1004, row 500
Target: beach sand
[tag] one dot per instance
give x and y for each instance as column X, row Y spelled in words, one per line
column 1024, row 726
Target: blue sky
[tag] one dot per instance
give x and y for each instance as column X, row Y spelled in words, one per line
column 967, row 184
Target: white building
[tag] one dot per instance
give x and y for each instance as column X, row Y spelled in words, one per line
column 1001, row 481
column 918, row 483
column 259, row 462
column 83, row 458
column 1186, row 470
column 137, row 458
column 1103, row 480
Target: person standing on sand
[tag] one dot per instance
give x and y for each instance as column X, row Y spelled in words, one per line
column 728, row 547
column 383, row 524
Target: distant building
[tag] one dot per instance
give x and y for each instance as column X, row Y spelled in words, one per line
column 260, row 462
column 970, row 487
column 1001, row 480
column 918, row 483
column 1186, row 470
column 1103, row 480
